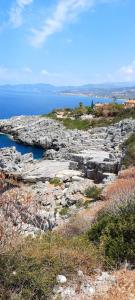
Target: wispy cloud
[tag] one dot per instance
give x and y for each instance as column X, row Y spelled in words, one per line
column 46, row 73
column 64, row 12
column 16, row 12
column 128, row 72
column 27, row 70
column 26, row 74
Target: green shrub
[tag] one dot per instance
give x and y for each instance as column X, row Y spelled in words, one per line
column 129, row 159
column 28, row 276
column 55, row 181
column 28, row 271
column 79, row 203
column 76, row 124
column 116, row 114
column 114, row 233
column 93, row 192
column 64, row 211
column 86, row 204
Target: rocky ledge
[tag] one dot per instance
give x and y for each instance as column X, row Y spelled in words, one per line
column 95, row 154
column 80, row 159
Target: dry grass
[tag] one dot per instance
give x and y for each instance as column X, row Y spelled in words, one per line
column 80, row 222
column 75, row 252
column 124, row 289
column 15, row 203
column 122, row 188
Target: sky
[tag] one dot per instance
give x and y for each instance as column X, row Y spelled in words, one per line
column 67, row 42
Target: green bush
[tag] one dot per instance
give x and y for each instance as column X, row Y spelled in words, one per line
column 114, row 234
column 86, row 204
column 93, row 192
column 129, row 159
column 76, row 124
column 64, row 211
column 30, row 277
column 79, row 203
column 55, row 181
column 29, row 271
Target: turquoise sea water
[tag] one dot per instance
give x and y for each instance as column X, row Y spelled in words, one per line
column 6, row 141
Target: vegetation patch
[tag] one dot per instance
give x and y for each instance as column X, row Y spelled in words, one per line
column 93, row 192
column 87, row 203
column 80, row 203
column 55, row 181
column 64, row 211
column 129, row 159
column 76, row 124
column 114, row 234
column 104, row 116
column 29, row 271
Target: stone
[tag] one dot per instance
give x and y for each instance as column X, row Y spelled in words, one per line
column 106, row 277
column 80, row 273
column 87, row 117
column 61, row 279
column 88, row 289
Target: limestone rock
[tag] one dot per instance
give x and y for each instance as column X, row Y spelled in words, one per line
column 61, row 279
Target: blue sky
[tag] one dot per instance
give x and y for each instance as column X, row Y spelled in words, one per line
column 67, row 42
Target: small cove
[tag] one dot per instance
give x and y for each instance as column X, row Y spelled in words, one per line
column 6, row 141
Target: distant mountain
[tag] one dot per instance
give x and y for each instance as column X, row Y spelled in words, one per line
column 29, row 88
column 122, row 89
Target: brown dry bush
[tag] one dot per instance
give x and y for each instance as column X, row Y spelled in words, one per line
column 16, row 208
column 122, row 188
column 76, row 225
column 124, row 288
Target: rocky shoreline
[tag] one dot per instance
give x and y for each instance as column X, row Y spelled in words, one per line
column 80, row 159
column 96, row 153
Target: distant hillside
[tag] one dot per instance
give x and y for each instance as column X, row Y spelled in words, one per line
column 120, row 90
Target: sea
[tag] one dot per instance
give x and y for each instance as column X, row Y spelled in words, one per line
column 20, row 103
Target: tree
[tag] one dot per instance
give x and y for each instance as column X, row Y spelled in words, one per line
column 81, row 104
column 92, row 104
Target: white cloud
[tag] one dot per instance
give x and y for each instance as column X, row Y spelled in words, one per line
column 47, row 73
column 24, row 2
column 15, row 13
column 44, row 72
column 64, row 12
column 27, row 75
column 128, row 72
column 124, row 74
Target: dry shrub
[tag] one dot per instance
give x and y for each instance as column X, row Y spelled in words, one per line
column 33, row 266
column 124, row 289
column 122, row 188
column 75, row 252
column 15, row 210
column 76, row 225
column 20, row 212
column 127, row 174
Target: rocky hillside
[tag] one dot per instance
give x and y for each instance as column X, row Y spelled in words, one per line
column 52, row 211
column 96, row 153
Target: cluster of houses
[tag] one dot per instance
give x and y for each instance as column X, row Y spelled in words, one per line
column 127, row 104
column 60, row 114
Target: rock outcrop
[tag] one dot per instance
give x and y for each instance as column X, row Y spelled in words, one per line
column 32, row 171
column 80, row 159
column 96, row 153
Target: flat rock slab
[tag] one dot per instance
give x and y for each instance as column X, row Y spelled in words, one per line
column 47, row 169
